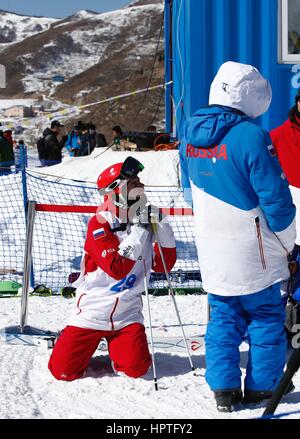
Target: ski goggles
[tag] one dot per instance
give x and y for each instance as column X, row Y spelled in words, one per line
column 112, row 187
column 130, row 168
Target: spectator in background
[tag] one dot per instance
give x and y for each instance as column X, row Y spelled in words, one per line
column 92, row 136
column 117, row 135
column 74, row 141
column 50, row 147
column 89, row 139
column 8, row 136
column 7, row 158
column 85, row 146
column 286, row 140
column 100, row 140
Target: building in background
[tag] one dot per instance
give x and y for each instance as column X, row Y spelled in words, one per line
column 58, row 78
column 19, row 111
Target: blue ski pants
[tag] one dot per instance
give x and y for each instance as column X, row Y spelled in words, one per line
column 262, row 315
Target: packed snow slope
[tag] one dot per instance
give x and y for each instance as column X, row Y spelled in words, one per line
column 28, row 390
column 161, row 167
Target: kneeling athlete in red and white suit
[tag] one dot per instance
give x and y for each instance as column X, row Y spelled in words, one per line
column 111, row 282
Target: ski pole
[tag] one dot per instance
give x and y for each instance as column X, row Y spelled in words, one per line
column 150, row 326
column 208, row 310
column 291, row 368
column 154, row 228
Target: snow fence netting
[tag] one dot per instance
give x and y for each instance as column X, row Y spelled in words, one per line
column 58, row 237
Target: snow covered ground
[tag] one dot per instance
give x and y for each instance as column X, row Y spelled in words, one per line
column 7, row 103
column 15, row 27
column 28, row 391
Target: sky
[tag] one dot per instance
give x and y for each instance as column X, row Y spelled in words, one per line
column 59, row 8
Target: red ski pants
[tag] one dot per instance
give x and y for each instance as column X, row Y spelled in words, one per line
column 128, row 349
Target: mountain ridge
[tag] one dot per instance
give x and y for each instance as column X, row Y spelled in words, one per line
column 99, row 56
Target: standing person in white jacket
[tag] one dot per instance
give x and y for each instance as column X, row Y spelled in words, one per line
column 245, row 231
column 118, row 248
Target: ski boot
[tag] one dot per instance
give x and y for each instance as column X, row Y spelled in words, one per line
column 257, row 396
column 227, row 399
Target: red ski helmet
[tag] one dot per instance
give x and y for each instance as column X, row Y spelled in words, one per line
column 111, row 181
column 111, row 178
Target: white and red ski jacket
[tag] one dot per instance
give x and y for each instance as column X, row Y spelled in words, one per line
column 108, row 291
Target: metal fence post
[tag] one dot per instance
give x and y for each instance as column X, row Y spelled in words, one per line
column 27, row 263
column 25, row 334
column 23, row 160
column 23, row 166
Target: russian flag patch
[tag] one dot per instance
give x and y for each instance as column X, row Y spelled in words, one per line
column 99, row 233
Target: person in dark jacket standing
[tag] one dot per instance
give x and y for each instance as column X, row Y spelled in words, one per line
column 8, row 136
column 6, row 155
column 51, row 153
column 101, row 141
column 92, row 137
column 85, row 142
column 89, row 139
column 245, row 231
